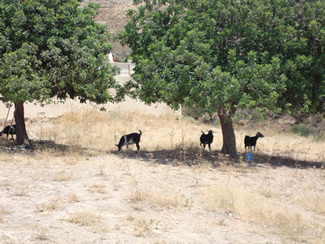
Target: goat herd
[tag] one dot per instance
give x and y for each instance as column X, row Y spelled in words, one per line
column 205, row 139
column 134, row 138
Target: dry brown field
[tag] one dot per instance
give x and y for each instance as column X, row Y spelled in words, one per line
column 76, row 188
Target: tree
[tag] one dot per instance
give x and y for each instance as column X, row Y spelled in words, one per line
column 52, row 49
column 221, row 55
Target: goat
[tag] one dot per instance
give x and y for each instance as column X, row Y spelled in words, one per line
column 9, row 129
column 126, row 140
column 206, row 139
column 251, row 141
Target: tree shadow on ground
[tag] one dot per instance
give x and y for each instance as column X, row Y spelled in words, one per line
column 174, row 157
column 278, row 161
column 194, row 157
column 48, row 146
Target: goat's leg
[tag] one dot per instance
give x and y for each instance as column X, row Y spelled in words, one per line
column 209, row 147
column 138, row 147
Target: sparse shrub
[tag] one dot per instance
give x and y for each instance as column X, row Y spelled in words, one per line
column 301, row 130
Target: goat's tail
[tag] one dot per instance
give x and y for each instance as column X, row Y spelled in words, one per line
column 203, row 132
column 140, row 132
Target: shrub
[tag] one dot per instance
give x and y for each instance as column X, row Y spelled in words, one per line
column 301, row 130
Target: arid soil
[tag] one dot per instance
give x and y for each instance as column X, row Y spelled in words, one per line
column 82, row 197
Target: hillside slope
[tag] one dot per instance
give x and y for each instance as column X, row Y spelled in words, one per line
column 113, row 15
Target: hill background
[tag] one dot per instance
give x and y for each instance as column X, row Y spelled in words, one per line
column 113, row 15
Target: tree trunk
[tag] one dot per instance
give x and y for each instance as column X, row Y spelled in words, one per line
column 228, row 134
column 21, row 133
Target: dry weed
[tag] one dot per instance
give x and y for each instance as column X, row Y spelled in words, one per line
column 84, row 218
column 51, row 205
column 251, row 206
column 42, row 235
column 74, row 197
column 7, row 240
column 3, row 212
column 21, row 192
column 97, row 188
column 157, row 198
column 143, row 227
column 63, row 176
column 102, row 130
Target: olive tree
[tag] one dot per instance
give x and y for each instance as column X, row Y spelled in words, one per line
column 222, row 55
column 52, row 49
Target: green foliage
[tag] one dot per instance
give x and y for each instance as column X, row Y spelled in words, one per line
column 53, row 48
column 223, row 55
column 301, row 130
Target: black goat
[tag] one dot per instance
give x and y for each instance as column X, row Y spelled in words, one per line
column 251, row 141
column 126, row 140
column 206, row 139
column 9, row 130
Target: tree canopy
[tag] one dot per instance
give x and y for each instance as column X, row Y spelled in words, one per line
column 221, row 55
column 53, row 49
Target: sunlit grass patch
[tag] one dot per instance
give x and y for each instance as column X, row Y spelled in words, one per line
column 285, row 221
column 84, row 218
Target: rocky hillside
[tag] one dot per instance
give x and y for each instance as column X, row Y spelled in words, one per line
column 113, row 15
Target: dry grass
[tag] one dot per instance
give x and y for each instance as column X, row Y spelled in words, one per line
column 288, row 205
column 101, row 130
column 42, row 235
column 48, row 206
column 285, row 144
column 63, row 176
column 267, row 209
column 3, row 212
column 155, row 199
column 97, row 188
column 74, row 197
column 89, row 129
column 84, row 218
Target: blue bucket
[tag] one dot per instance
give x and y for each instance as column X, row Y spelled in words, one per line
column 249, row 157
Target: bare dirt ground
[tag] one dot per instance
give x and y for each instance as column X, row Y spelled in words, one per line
column 76, row 188
column 120, row 199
